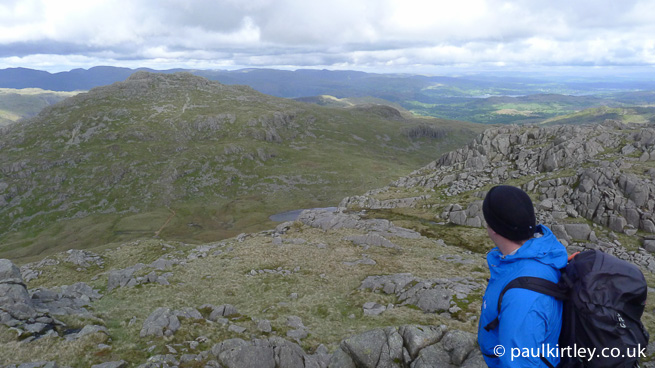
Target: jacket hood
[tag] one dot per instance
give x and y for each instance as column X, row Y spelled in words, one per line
column 545, row 249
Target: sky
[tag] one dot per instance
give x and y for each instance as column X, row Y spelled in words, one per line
column 420, row 36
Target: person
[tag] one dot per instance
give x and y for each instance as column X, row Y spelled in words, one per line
column 527, row 319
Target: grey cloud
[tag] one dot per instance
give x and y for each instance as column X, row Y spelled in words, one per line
column 358, row 32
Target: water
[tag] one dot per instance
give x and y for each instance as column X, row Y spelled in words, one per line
column 293, row 215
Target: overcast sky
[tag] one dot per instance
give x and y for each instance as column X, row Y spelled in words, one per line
column 370, row 35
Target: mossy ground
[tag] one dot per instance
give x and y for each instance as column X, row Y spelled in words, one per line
column 328, row 293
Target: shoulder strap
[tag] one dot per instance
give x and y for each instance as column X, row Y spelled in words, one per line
column 537, row 284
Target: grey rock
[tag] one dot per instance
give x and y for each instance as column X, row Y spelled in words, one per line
column 39, row 365
column 373, row 309
column 36, row 328
column 375, row 348
column 264, row 325
column 188, row 313
column 341, row 359
column 578, row 231
column 14, row 298
column 288, row 354
column 365, row 260
column 390, row 284
column 459, row 344
column 239, row 354
column 225, row 310
column 117, row 364
column 87, row 330
column 433, row 356
column 9, row 273
column 436, row 299
column 237, row 329
column 164, row 264
column 298, row 334
column 161, row 322
column 560, row 232
column 188, row 358
column 617, row 223
column 295, row 322
column 83, row 258
column 122, row 278
column 649, row 245
column 418, row 337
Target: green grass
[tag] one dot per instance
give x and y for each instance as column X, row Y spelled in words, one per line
column 16, row 104
column 327, row 291
column 110, row 165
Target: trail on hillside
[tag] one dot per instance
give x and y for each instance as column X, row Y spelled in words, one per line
column 165, row 223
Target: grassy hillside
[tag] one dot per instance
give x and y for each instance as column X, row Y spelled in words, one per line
column 488, row 98
column 414, row 249
column 16, row 104
column 180, row 157
column 637, row 115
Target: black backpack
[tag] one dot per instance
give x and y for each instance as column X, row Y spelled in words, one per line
column 604, row 298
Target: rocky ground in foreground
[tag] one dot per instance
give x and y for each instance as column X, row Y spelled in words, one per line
column 394, row 278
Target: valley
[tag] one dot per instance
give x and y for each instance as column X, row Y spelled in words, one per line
column 109, row 165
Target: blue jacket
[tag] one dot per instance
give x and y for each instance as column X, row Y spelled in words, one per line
column 527, row 318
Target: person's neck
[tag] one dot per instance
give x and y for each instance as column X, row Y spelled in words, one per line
column 508, row 246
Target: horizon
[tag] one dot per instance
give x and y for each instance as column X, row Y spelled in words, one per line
column 389, row 36
column 644, row 73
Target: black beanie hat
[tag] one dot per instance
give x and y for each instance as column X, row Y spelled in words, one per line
column 509, row 212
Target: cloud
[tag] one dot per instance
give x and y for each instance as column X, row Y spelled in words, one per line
column 359, row 33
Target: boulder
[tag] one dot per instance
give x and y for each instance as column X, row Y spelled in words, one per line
column 88, row 330
column 375, row 348
column 649, row 245
column 83, row 258
column 121, row 278
column 274, row 352
column 416, row 338
column 161, row 322
column 578, row 231
column 14, row 298
column 118, row 364
column 428, row 298
column 225, row 310
column 373, row 309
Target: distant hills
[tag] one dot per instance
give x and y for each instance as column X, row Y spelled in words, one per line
column 16, row 104
column 182, row 157
column 482, row 98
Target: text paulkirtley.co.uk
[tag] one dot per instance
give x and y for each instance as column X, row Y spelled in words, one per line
column 571, row 352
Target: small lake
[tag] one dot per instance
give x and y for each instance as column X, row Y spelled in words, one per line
column 293, row 215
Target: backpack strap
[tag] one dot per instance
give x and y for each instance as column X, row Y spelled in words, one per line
column 537, row 284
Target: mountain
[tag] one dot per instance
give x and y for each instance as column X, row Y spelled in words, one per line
column 487, row 98
column 182, row 157
column 74, row 80
column 16, row 104
column 393, row 278
column 638, row 115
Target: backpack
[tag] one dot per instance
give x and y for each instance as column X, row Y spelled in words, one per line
column 604, row 298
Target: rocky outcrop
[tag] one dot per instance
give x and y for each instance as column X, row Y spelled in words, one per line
column 273, row 352
column 596, row 173
column 15, row 302
column 31, row 312
column 161, row 322
column 125, row 277
column 326, row 219
column 408, row 346
column 83, row 258
column 431, row 296
column 66, row 300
